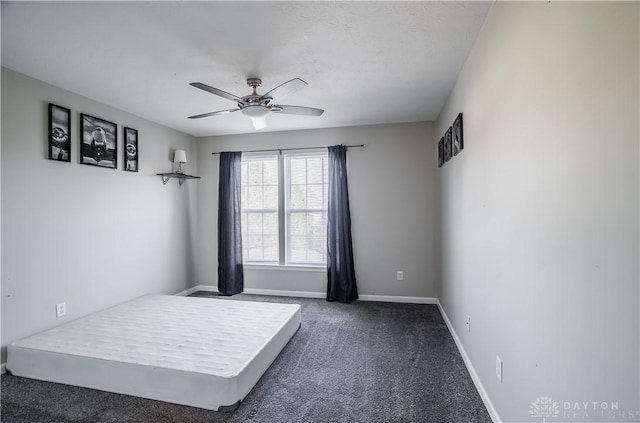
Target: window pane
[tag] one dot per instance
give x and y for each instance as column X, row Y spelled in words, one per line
column 307, row 250
column 252, row 247
column 306, row 209
column 298, row 224
column 254, row 198
column 314, row 171
column 243, row 196
column 270, row 196
column 317, row 224
column 255, row 173
column 244, row 174
column 298, row 197
column 260, row 237
column 259, row 204
column 270, row 176
column 314, row 196
column 243, row 224
column 316, row 249
column 271, row 250
column 270, row 223
column 254, row 224
column 298, row 171
column 297, row 249
column 325, row 170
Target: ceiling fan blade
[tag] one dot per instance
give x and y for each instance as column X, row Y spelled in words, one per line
column 219, row 112
column 297, row 110
column 283, row 90
column 216, row 91
column 259, row 123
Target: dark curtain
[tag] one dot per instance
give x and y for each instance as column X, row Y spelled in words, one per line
column 341, row 275
column 230, row 274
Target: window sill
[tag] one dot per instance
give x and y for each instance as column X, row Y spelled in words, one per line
column 295, row 268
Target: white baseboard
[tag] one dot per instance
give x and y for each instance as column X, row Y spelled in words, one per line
column 472, row 371
column 3, row 368
column 397, row 299
column 256, row 291
column 196, row 289
column 311, row 294
column 300, row 294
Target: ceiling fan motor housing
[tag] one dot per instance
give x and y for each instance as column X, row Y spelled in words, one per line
column 255, row 106
column 254, row 82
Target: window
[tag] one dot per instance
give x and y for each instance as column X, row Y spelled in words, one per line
column 259, row 202
column 284, row 209
column 306, row 209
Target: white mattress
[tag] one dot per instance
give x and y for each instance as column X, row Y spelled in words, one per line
column 200, row 352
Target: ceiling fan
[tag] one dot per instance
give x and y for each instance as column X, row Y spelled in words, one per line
column 255, row 106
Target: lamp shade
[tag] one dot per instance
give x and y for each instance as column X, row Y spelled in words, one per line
column 179, row 156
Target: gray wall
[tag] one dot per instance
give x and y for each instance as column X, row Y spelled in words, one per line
column 540, row 210
column 88, row 236
column 394, row 209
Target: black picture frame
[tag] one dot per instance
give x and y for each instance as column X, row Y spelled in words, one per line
column 59, row 133
column 447, row 145
column 99, row 142
column 458, row 140
column 131, row 150
column 441, row 152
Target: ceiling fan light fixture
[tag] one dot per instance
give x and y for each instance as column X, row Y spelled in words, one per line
column 255, row 111
column 259, row 123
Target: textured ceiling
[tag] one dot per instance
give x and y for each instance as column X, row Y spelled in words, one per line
column 365, row 62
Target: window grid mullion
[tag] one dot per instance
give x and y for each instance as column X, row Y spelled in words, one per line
column 262, row 214
column 282, row 232
column 262, row 231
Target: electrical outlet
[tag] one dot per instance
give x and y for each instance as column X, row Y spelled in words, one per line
column 400, row 275
column 61, row 309
column 499, row 368
column 468, row 323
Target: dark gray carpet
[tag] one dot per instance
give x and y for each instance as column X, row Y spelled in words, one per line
column 359, row 362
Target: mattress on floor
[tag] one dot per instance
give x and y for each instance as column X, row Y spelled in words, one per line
column 200, row 352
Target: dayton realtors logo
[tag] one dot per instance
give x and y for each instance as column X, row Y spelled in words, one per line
column 600, row 411
column 544, row 407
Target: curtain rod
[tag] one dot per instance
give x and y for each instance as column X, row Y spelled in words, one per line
column 280, row 150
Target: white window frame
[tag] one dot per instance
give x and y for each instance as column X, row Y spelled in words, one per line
column 258, row 157
column 287, row 198
column 283, row 230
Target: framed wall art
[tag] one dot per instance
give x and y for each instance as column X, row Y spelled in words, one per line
column 99, row 146
column 441, row 152
column 59, row 133
column 131, row 149
column 458, row 142
column 447, row 145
